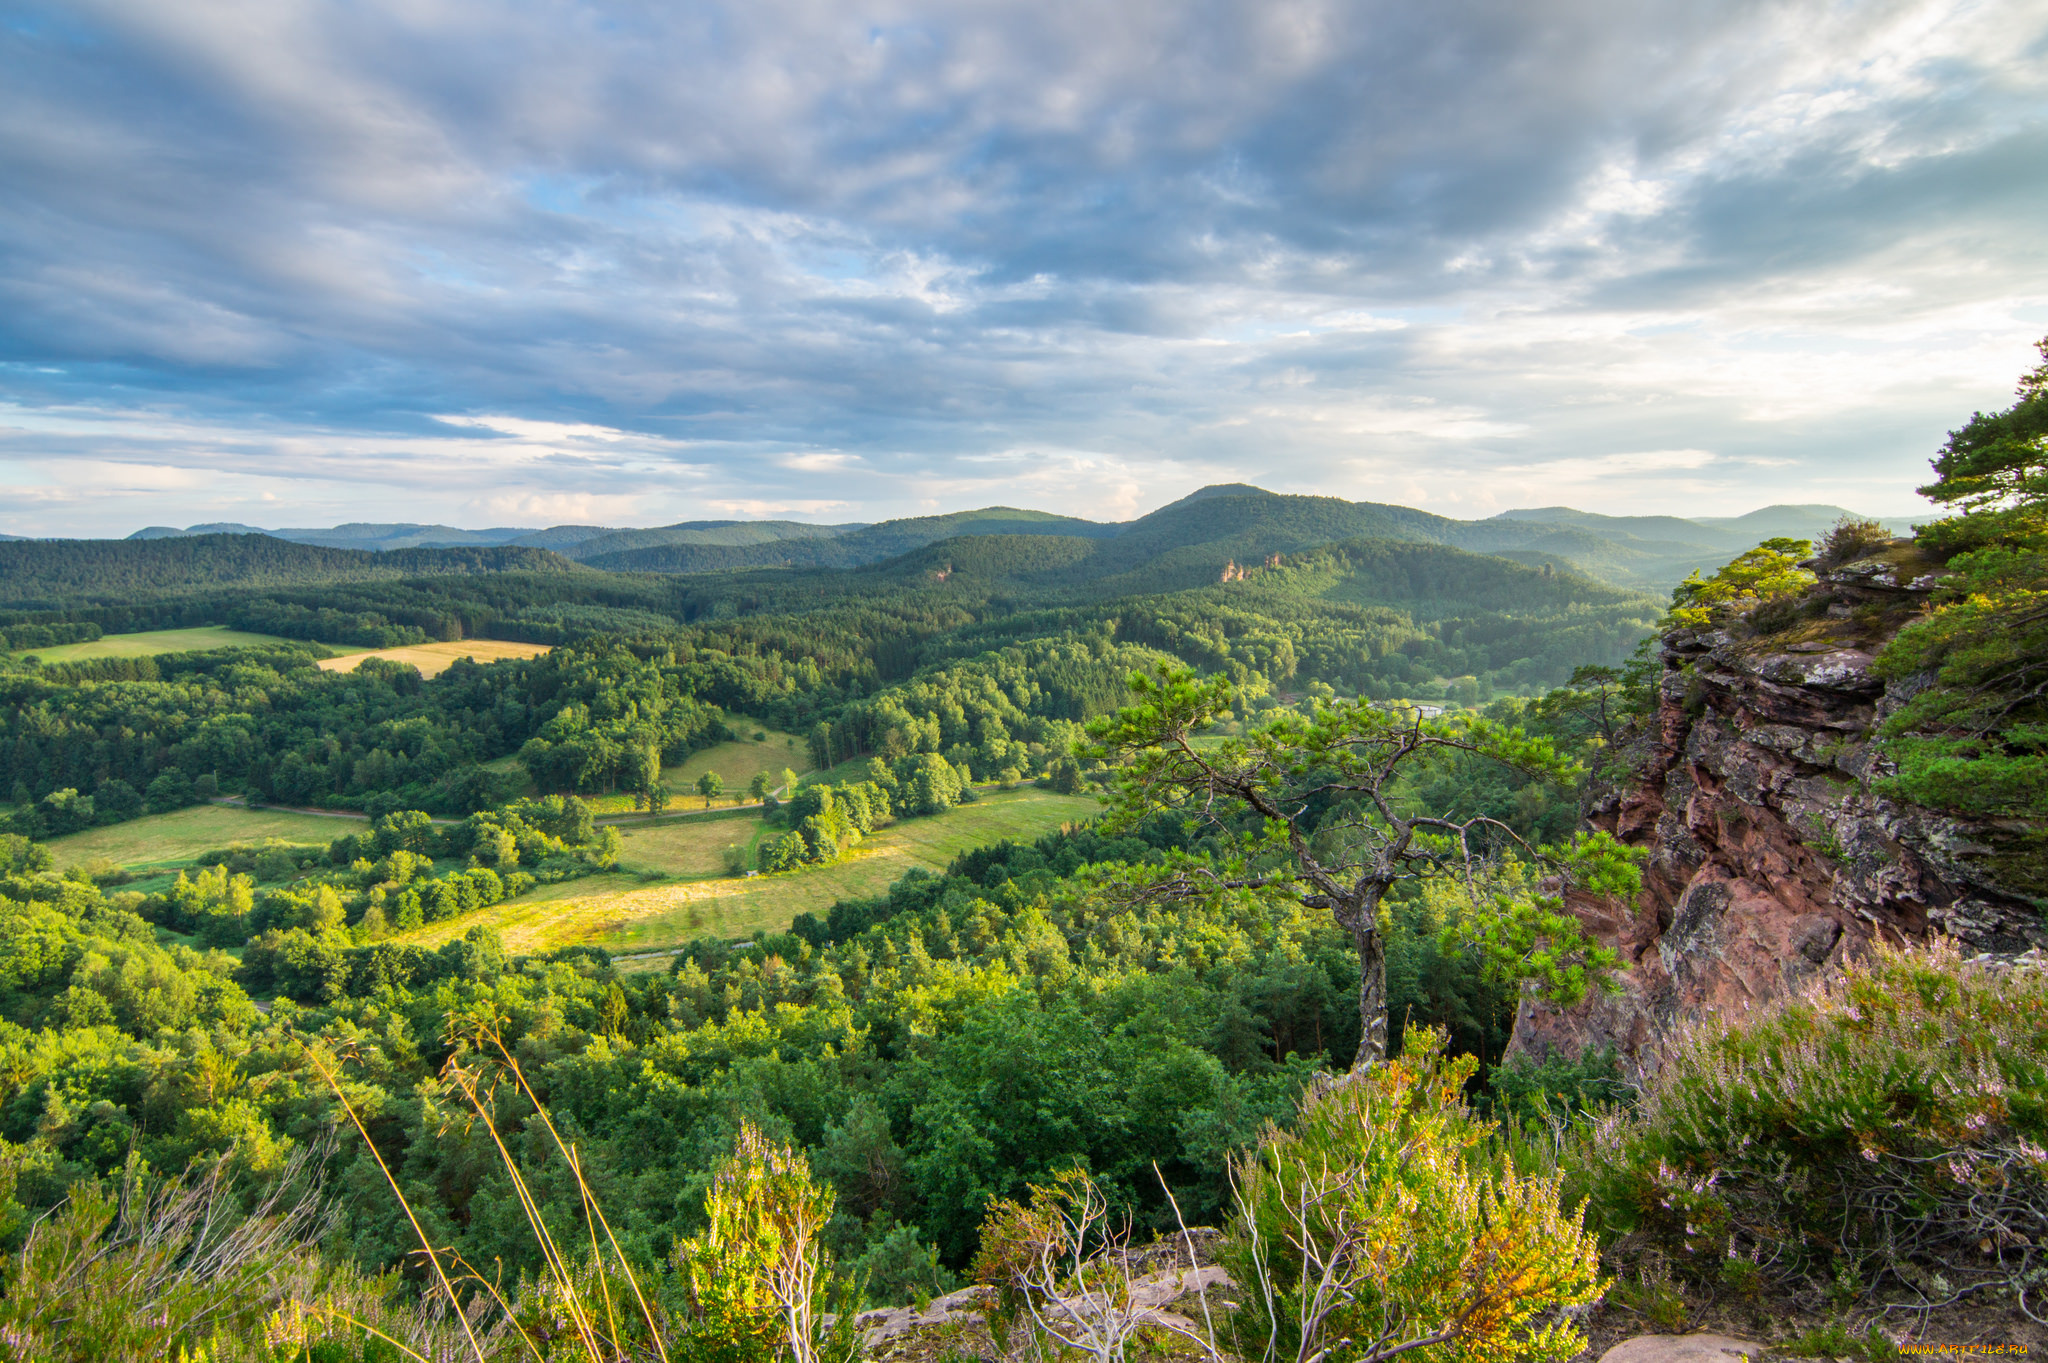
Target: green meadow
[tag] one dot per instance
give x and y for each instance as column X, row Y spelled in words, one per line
column 625, row 913
column 151, row 642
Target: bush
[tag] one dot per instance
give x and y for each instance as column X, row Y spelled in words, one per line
column 1851, row 538
column 1892, row 1129
column 1558, row 1086
column 1373, row 1219
column 755, row 1280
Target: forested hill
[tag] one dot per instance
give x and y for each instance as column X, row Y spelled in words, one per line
column 1232, row 522
column 54, row 574
column 867, row 544
column 1421, row 578
column 1380, row 616
column 1206, row 530
column 1210, row 527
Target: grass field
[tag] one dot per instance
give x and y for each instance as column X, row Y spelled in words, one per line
column 692, row 847
column 434, row 659
column 623, row 914
column 736, row 762
column 167, row 841
column 157, row 641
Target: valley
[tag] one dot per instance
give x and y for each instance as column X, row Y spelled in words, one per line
column 976, row 845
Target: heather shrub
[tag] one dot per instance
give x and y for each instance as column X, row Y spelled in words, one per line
column 752, row 1286
column 1890, row 1130
column 1379, row 1225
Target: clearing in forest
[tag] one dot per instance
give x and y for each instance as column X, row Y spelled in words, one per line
column 623, row 914
column 151, row 642
column 735, row 762
column 164, row 842
column 434, row 659
column 738, row 762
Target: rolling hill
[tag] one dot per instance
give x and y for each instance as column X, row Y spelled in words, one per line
column 50, row 574
column 1180, row 545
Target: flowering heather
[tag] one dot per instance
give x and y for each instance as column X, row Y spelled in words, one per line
column 1890, row 1130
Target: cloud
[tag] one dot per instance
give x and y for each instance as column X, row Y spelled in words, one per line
column 789, row 254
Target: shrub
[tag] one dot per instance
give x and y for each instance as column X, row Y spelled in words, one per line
column 754, row 1280
column 1891, row 1129
column 1851, row 538
column 1061, row 1262
column 1373, row 1221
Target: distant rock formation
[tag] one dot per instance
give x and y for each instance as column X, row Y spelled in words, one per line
column 1772, row 858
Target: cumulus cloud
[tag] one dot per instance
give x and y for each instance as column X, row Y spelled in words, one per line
column 642, row 263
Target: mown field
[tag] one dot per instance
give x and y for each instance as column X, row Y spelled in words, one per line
column 160, row 845
column 434, row 659
column 625, row 914
column 157, row 641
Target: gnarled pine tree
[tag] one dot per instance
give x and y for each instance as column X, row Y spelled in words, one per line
column 1307, row 808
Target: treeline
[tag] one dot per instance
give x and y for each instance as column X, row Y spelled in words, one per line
column 544, row 608
column 1010, row 711
column 309, row 938
column 828, row 820
column 267, row 722
column 51, row 635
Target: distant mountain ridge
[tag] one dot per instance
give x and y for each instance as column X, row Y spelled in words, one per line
column 575, row 541
column 1635, row 552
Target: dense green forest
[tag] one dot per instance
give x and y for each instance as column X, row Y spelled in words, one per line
column 38, row 574
column 1634, row 551
column 874, row 1034
column 935, row 1053
column 885, row 662
column 944, row 1044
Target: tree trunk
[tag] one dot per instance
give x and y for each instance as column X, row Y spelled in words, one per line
column 1372, row 990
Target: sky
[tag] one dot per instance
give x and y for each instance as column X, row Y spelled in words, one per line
column 297, row 262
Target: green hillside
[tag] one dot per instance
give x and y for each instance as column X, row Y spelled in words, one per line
column 52, row 573
column 701, row 534
column 867, row 544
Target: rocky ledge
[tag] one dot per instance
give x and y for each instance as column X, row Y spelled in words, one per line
column 1772, row 857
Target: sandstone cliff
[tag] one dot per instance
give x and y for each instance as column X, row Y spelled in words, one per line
column 1772, row 858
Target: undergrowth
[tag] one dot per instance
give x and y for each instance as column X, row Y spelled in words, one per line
column 1890, row 1132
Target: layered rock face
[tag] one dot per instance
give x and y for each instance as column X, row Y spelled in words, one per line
column 1772, row 859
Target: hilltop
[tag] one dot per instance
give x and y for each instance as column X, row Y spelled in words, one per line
column 1649, row 552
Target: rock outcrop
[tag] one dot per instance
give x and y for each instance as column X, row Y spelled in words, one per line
column 1773, row 859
